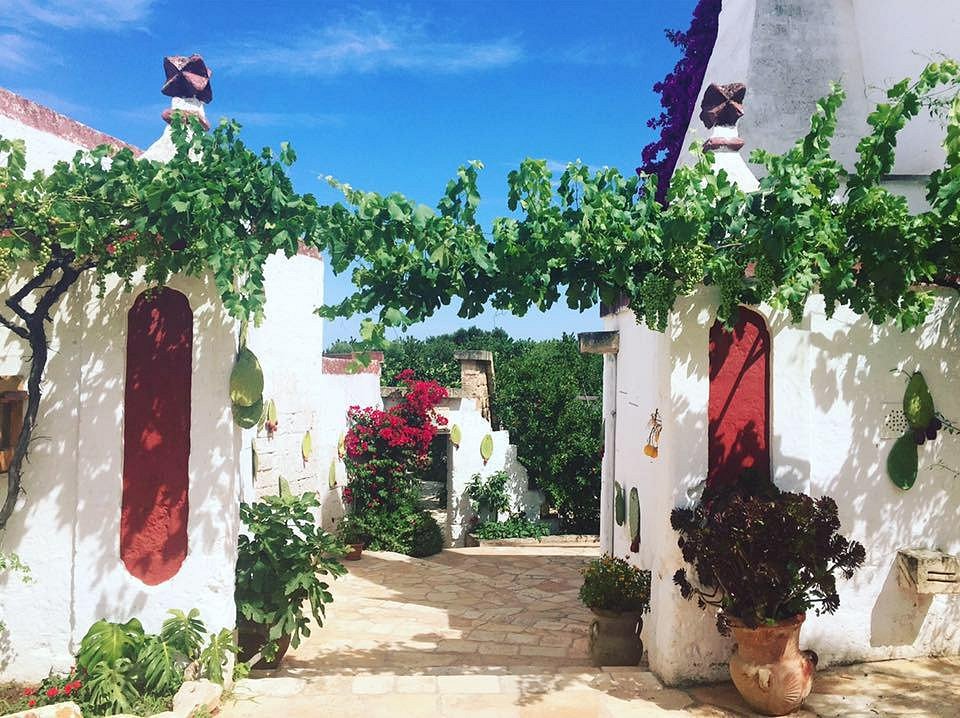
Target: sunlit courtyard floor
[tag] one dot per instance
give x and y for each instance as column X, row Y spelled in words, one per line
column 500, row 632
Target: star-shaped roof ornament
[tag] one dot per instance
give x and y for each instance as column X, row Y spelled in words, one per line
column 187, row 77
column 723, row 104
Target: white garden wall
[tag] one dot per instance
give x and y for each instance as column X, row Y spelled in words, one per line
column 832, row 387
column 67, row 526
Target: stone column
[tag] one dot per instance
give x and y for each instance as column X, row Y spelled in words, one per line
column 476, row 378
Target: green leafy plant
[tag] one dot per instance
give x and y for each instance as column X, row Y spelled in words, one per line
column 489, row 494
column 613, row 584
column 284, row 560
column 517, row 526
column 215, row 656
column 404, row 530
column 762, row 555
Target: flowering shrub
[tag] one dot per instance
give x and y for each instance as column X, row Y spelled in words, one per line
column 678, row 93
column 388, row 450
column 612, row 584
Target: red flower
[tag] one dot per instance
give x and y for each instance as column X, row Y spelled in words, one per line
column 53, row 692
column 31, row 703
column 77, row 685
column 29, row 691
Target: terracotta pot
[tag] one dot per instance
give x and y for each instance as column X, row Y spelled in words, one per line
column 615, row 638
column 355, row 554
column 768, row 668
column 251, row 637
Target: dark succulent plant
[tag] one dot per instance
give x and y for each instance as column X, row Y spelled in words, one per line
column 762, row 555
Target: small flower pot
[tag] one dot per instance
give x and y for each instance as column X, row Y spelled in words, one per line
column 355, row 553
column 768, row 668
column 615, row 638
column 251, row 637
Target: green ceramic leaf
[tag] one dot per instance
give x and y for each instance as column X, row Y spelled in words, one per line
column 341, row 446
column 917, row 402
column 306, row 446
column 902, row 461
column 254, row 460
column 633, row 513
column 619, row 504
column 455, row 435
column 246, row 379
column 332, row 475
column 271, row 411
column 247, row 417
column 486, row 448
column 284, row 487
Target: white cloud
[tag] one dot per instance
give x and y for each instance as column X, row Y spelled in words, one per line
column 366, row 43
column 74, row 14
column 16, row 51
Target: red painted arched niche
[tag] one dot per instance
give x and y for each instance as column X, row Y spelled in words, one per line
column 156, row 435
column 739, row 407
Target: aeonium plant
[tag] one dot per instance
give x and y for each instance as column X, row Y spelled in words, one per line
column 762, row 555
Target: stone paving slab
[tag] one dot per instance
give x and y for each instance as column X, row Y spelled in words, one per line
column 499, row 632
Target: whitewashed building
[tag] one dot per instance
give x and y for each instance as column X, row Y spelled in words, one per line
column 814, row 395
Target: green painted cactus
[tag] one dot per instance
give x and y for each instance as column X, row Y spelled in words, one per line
column 456, row 435
column 332, row 474
column 902, row 461
column 619, row 504
column 246, row 379
column 633, row 515
column 306, row 447
column 486, row 448
column 247, row 417
column 917, row 402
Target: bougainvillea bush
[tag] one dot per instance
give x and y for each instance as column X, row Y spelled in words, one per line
column 387, row 453
column 762, row 555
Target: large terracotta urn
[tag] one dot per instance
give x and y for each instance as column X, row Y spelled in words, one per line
column 768, row 668
column 615, row 638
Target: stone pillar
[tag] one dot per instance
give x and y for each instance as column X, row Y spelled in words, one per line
column 476, row 378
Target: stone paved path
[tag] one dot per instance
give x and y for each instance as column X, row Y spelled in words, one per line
column 499, row 632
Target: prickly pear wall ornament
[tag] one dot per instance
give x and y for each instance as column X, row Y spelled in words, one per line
column 653, row 438
column 917, row 423
column 254, row 460
column 271, row 422
column 246, row 379
column 486, row 448
column 332, row 475
column 341, row 446
column 456, row 435
column 283, row 488
column 633, row 520
column 619, row 504
column 306, row 447
column 247, row 417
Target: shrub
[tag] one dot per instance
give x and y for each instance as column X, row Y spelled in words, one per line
column 280, row 566
column 121, row 668
column 489, row 496
column 517, row 526
column 612, row 584
column 762, row 555
column 426, row 536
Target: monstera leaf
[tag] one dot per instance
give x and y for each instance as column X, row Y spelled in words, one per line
column 917, row 402
column 108, row 642
column 902, row 462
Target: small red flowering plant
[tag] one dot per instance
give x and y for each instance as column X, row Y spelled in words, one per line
column 56, row 688
column 387, row 450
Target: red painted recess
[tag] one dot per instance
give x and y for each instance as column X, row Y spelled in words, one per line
column 739, row 407
column 156, row 435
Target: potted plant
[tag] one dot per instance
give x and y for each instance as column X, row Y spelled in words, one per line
column 353, row 535
column 283, row 560
column 764, row 557
column 618, row 594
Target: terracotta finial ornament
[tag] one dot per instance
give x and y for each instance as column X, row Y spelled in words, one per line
column 187, row 77
column 722, row 104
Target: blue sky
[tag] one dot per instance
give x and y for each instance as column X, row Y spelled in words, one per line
column 386, row 96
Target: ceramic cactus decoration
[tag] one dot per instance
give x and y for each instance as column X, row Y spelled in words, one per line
column 486, row 448
column 247, row 417
column 246, row 379
column 341, row 446
column 633, row 519
column 332, row 475
column 455, row 435
column 306, row 447
column 902, row 461
column 619, row 504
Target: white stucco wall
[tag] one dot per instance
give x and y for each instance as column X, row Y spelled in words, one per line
column 289, row 345
column 67, row 527
column 832, row 387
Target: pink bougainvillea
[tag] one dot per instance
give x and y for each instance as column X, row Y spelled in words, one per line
column 386, row 450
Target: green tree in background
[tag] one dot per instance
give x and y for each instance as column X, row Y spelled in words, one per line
column 542, row 396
